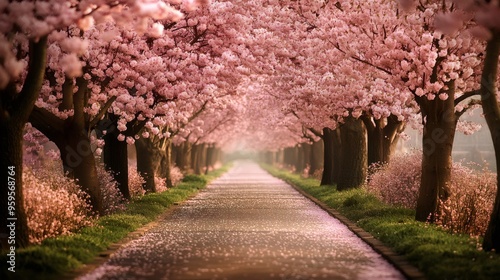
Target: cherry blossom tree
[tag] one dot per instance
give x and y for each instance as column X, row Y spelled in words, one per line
column 485, row 16
column 26, row 26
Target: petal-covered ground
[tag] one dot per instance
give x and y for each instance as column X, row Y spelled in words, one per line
column 247, row 225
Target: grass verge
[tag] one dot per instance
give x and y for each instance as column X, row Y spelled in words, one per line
column 55, row 257
column 437, row 253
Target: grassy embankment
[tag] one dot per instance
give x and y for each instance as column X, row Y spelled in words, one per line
column 56, row 257
column 437, row 253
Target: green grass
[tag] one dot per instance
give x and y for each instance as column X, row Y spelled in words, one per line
column 57, row 256
column 437, row 253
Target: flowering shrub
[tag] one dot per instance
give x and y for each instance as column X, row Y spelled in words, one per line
column 161, row 184
column 398, row 182
column 468, row 208
column 305, row 172
column 135, row 182
column 113, row 199
column 54, row 204
column 318, row 174
column 175, row 175
column 471, row 202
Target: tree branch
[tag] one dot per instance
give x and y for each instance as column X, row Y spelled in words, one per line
column 466, row 95
column 101, row 113
column 32, row 84
column 46, row 122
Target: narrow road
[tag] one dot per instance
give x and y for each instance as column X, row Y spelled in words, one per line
column 247, row 225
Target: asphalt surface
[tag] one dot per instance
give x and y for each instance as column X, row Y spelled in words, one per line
column 247, row 225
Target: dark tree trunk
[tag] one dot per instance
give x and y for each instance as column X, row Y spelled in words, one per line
column 290, row 156
column 79, row 163
column 316, row 157
column 194, row 156
column 328, row 157
column 437, row 142
column 209, row 158
column 337, row 155
column 179, row 158
column 11, row 139
column 15, row 109
column 375, row 143
column 167, row 163
column 492, row 115
column 382, row 138
column 146, row 163
column 176, row 152
column 184, row 158
column 299, row 162
column 197, row 158
column 116, row 160
column 353, row 169
column 201, row 158
column 305, row 150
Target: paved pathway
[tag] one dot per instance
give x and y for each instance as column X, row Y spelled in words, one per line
column 247, row 225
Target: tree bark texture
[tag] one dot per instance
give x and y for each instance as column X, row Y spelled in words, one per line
column 316, row 157
column 492, row 115
column 437, row 142
column 11, row 139
column 328, row 157
column 382, row 137
column 353, row 169
column 15, row 108
column 148, row 160
column 116, row 160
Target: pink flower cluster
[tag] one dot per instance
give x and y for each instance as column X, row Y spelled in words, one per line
column 55, row 205
column 135, row 182
column 471, row 202
column 468, row 208
column 113, row 200
column 176, row 175
column 398, row 182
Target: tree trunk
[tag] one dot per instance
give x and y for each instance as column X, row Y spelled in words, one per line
column 209, row 158
column 299, row 162
column 202, row 151
column 72, row 138
column 194, row 155
column 116, row 160
column 316, row 157
column 145, row 163
column 328, row 157
column 184, row 162
column 391, row 136
column 15, row 109
column 167, row 163
column 197, row 158
column 290, row 156
column 306, row 156
column 437, row 142
column 375, row 143
column 353, row 169
column 337, row 156
column 11, row 139
column 79, row 163
column 492, row 115
column 382, row 137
